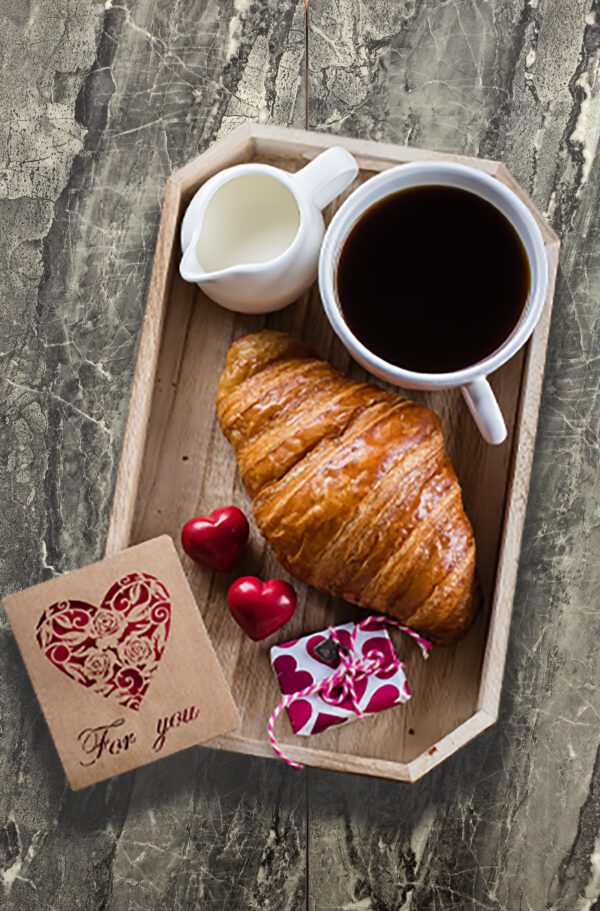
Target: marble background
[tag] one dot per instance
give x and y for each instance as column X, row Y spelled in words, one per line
column 99, row 102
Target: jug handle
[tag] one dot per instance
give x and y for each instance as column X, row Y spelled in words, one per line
column 327, row 176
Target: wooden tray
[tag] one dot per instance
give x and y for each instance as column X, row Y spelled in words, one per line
column 175, row 463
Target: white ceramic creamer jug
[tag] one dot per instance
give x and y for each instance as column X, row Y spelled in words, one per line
column 251, row 235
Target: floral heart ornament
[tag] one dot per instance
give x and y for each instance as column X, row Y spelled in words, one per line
column 114, row 649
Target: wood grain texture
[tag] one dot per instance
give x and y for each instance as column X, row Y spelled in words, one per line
column 508, row 823
column 100, row 101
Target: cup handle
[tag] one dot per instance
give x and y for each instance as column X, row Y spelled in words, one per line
column 327, row 175
column 482, row 404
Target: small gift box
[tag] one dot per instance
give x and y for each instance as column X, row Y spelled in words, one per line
column 340, row 674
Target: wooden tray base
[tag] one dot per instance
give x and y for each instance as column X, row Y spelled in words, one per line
column 175, row 463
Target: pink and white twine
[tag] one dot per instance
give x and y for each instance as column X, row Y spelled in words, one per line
column 341, row 685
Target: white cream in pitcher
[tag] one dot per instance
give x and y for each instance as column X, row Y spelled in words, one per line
column 252, row 219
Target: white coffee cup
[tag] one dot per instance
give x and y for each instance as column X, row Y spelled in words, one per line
column 472, row 380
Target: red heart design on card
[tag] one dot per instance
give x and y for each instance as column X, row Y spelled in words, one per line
column 114, row 649
column 290, row 679
column 216, row 540
column 261, row 608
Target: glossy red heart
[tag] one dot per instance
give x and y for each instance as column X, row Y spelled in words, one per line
column 261, row 608
column 216, row 540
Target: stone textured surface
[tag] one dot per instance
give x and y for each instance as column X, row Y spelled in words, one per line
column 99, row 102
column 512, row 821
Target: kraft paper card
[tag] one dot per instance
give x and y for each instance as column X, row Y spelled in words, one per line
column 121, row 662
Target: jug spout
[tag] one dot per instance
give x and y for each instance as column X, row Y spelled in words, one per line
column 189, row 268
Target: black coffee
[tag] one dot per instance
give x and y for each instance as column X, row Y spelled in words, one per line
column 432, row 279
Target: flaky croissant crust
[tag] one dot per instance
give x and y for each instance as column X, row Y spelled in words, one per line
column 350, row 485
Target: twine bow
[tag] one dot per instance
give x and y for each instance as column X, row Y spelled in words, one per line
column 352, row 668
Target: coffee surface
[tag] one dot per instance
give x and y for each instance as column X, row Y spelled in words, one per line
column 432, row 279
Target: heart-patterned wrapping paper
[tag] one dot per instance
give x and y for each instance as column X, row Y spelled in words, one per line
column 299, row 664
column 121, row 662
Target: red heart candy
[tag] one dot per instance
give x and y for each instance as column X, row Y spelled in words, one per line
column 216, row 540
column 261, row 608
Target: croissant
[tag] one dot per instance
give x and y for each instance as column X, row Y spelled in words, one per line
column 350, row 484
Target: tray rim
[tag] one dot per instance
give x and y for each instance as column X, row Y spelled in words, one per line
column 252, row 137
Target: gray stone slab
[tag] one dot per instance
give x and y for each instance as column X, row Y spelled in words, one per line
column 512, row 821
column 99, row 103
